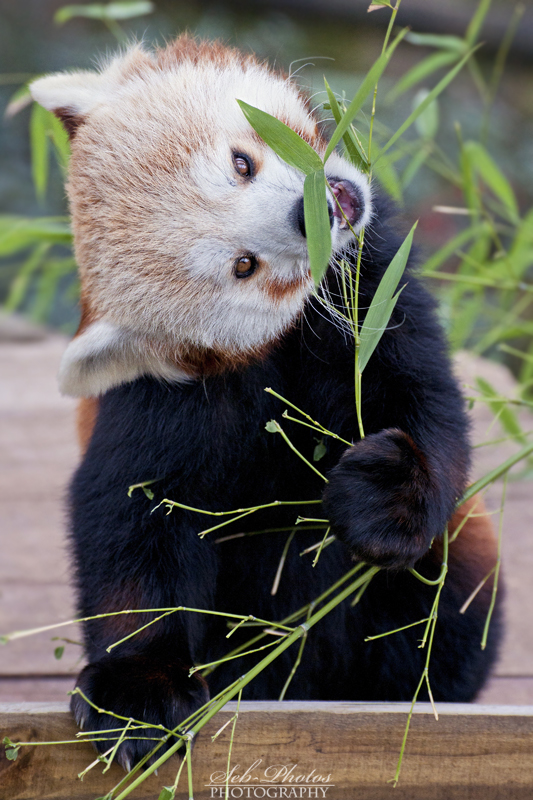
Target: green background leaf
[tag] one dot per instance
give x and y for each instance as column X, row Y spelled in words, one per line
column 282, row 139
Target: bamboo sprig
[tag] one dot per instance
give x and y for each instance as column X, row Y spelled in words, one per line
column 251, row 674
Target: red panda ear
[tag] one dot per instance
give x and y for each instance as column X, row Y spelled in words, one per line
column 69, row 96
column 72, row 96
column 105, row 355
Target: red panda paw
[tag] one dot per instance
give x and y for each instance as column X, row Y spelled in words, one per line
column 382, row 501
column 143, row 690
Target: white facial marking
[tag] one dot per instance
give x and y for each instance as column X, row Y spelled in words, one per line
column 161, row 215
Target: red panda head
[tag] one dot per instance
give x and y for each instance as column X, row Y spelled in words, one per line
column 188, row 229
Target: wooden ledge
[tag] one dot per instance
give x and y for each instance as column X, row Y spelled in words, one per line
column 341, row 751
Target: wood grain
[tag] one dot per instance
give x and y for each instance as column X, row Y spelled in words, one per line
column 471, row 753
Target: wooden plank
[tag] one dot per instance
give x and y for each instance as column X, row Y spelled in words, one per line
column 471, row 753
column 53, row 688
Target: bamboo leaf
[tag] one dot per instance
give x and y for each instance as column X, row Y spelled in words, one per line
column 491, row 174
column 18, row 100
column 501, row 410
column 128, row 9
column 521, row 252
column 427, row 123
column 167, row 793
column 319, row 451
column 386, row 174
column 474, row 27
column 420, row 71
column 317, row 224
column 434, row 93
column 60, row 140
column 20, row 285
column 19, row 233
column 383, row 303
column 470, row 186
column 39, row 149
column 496, row 473
column 353, row 147
column 101, row 11
column 282, row 139
column 362, row 93
column 412, row 168
column 443, row 42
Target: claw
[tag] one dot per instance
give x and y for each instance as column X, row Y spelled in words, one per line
column 125, row 762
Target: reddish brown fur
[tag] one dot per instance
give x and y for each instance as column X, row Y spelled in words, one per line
column 197, row 51
column 116, row 627
column 473, row 554
column 71, row 121
column 86, row 413
column 281, row 290
column 198, row 361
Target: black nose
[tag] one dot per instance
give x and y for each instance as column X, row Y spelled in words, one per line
column 299, row 219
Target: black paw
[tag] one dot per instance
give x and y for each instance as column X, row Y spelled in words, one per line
column 138, row 687
column 381, row 502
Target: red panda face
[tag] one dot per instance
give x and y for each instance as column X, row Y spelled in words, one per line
column 188, row 229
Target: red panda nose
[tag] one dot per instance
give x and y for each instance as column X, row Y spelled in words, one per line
column 349, row 199
column 299, row 218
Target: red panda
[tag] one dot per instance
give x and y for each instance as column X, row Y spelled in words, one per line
column 196, row 295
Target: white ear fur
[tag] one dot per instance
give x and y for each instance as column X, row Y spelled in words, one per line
column 104, row 356
column 81, row 91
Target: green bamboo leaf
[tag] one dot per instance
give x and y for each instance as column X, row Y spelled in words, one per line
column 474, row 27
column 386, row 174
column 362, row 93
column 353, row 147
column 496, row 473
column 412, row 168
column 521, row 251
column 19, row 233
column 434, row 93
column 18, row 100
column 39, row 149
column 427, row 123
column 92, row 11
column 462, row 318
column 501, row 410
column 12, row 753
column 420, row 71
column 383, row 303
column 103, row 12
column 282, row 139
column 317, row 225
column 47, row 287
column 128, row 9
column 319, row 451
column 442, row 42
column 60, row 141
column 491, row 174
column 470, row 186
column 167, row 793
column 20, row 285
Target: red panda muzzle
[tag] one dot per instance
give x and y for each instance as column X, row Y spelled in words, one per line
column 349, row 200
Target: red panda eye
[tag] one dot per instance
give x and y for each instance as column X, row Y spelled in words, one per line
column 243, row 164
column 245, row 266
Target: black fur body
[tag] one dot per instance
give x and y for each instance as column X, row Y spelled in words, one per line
column 205, row 442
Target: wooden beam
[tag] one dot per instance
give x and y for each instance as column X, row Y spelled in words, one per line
column 342, row 751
